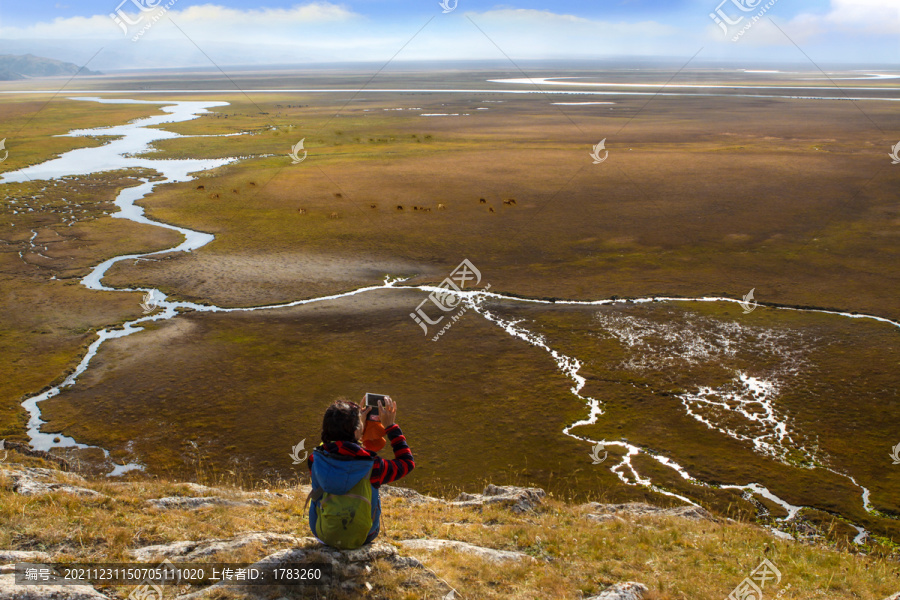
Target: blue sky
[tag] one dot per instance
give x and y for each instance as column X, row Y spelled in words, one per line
column 282, row 31
column 23, row 13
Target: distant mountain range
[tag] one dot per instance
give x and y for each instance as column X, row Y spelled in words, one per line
column 27, row 66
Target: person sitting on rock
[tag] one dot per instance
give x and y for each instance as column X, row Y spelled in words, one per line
column 345, row 511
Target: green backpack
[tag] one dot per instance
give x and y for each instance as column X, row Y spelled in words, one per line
column 344, row 520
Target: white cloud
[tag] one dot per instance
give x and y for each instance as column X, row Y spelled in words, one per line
column 266, row 17
column 542, row 20
column 326, row 32
column 874, row 16
column 859, row 17
column 208, row 21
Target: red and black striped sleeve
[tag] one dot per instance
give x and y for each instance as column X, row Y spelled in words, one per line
column 386, row 471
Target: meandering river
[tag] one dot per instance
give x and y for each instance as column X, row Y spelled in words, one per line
column 135, row 138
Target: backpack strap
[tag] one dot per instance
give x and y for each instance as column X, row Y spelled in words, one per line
column 313, row 495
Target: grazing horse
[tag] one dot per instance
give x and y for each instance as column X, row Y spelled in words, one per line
column 373, row 206
column 490, row 209
column 336, row 195
column 509, row 202
column 252, row 183
column 201, row 187
column 235, row 191
column 214, row 196
column 399, row 207
column 333, row 216
column 302, row 211
column 441, row 207
column 482, row 201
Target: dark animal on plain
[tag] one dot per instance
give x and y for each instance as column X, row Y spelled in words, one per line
column 214, row 196
column 336, row 195
column 415, row 208
column 490, row 209
column 373, row 206
column 399, row 207
column 200, row 187
column 509, row 202
column 252, row 183
column 482, row 201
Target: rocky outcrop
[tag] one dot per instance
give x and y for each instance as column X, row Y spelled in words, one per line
column 605, row 512
column 9, row 590
column 14, row 556
column 191, row 502
column 32, row 481
column 187, row 551
column 519, row 499
column 622, row 591
column 349, row 567
column 488, row 554
column 390, row 491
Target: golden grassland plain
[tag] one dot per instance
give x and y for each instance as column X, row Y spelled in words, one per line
column 699, row 196
column 577, row 557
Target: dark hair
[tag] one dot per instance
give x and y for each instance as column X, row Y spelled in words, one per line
column 340, row 421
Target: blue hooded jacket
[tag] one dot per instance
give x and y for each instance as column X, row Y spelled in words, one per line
column 336, row 474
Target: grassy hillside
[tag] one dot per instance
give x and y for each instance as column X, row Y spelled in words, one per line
column 575, row 556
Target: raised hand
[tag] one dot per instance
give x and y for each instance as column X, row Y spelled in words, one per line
column 387, row 409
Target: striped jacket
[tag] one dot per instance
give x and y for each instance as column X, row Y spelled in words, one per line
column 383, row 471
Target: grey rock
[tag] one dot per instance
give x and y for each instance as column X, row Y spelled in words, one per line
column 486, row 553
column 191, row 502
column 622, row 591
column 345, row 563
column 9, row 590
column 893, row 597
column 519, row 499
column 603, row 518
column 33, row 481
column 390, row 491
column 14, row 556
column 193, row 550
column 640, row 509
